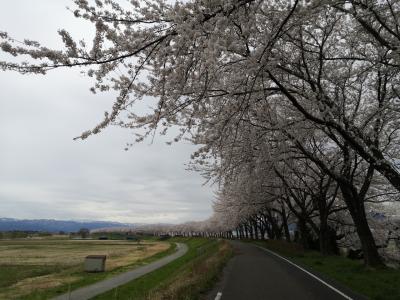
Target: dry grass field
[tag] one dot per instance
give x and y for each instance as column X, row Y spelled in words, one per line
column 28, row 266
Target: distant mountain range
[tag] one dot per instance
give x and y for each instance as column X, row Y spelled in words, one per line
column 9, row 224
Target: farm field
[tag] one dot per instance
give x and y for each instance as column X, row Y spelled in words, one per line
column 30, row 268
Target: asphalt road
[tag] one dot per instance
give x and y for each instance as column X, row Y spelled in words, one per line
column 100, row 287
column 255, row 274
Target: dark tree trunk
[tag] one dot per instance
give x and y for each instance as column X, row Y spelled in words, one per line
column 326, row 235
column 262, row 232
column 269, row 231
column 241, row 233
column 278, row 232
column 275, row 228
column 357, row 212
column 303, row 234
column 285, row 224
column 285, row 227
column 251, row 231
column 255, row 230
column 327, row 240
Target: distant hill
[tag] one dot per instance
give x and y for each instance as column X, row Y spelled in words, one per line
column 9, row 224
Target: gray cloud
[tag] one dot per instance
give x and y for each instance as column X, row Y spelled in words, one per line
column 45, row 174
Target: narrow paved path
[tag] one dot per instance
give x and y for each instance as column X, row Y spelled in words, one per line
column 100, row 287
column 256, row 274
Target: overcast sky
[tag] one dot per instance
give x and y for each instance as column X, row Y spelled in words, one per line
column 45, row 174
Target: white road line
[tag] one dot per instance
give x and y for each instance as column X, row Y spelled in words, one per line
column 305, row 271
column 219, row 295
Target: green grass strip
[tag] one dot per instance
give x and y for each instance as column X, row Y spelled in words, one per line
column 141, row 288
column 377, row 284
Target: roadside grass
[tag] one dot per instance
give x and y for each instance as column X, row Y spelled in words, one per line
column 377, row 284
column 186, row 278
column 25, row 278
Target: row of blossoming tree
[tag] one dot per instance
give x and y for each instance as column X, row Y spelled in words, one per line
column 294, row 104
